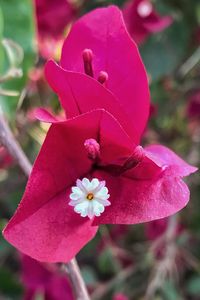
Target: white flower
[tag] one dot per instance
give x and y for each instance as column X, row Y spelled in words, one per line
column 89, row 198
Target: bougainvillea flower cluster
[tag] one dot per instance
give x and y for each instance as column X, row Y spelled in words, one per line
column 52, row 19
column 43, row 281
column 95, row 154
column 142, row 19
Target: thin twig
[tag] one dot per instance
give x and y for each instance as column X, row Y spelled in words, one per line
column 103, row 289
column 166, row 265
column 9, row 142
column 190, row 63
column 72, row 269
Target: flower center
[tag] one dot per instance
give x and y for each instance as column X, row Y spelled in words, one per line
column 90, row 196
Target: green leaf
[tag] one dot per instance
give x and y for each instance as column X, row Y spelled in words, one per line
column 18, row 27
column 163, row 52
column 9, row 284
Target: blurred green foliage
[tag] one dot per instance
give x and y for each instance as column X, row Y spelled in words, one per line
column 17, row 24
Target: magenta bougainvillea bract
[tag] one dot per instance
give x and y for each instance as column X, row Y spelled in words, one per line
column 95, row 152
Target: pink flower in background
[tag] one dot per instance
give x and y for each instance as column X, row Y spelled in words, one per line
column 91, row 169
column 120, row 296
column 193, row 108
column 5, row 159
column 142, row 19
column 52, row 19
column 44, row 280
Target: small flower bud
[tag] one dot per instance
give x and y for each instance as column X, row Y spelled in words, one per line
column 103, row 77
column 93, row 148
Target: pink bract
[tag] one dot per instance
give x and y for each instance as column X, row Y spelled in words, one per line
column 103, row 31
column 44, row 279
column 144, row 183
column 142, row 19
column 52, row 18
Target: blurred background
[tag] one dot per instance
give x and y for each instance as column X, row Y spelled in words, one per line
column 159, row 260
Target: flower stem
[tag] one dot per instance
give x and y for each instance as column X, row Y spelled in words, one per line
column 73, row 270
column 8, row 140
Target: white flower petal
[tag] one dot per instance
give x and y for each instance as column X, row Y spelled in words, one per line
column 75, row 202
column 82, row 208
column 103, row 193
column 94, row 184
column 104, row 202
column 86, row 183
column 74, row 196
column 76, row 190
column 81, row 186
column 90, row 210
column 98, row 208
column 100, row 186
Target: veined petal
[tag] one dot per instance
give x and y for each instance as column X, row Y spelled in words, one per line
column 163, row 157
column 136, row 201
column 54, row 233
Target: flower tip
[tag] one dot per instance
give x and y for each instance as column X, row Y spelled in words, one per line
column 139, row 153
column 103, row 77
column 87, row 55
column 87, row 61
